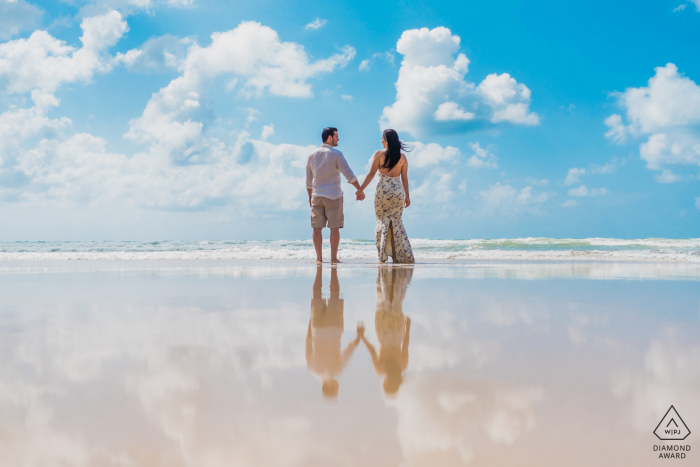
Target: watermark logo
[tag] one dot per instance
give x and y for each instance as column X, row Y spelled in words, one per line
column 672, row 427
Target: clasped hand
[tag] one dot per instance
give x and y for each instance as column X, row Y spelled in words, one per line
column 359, row 195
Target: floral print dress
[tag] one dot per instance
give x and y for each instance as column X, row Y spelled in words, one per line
column 388, row 205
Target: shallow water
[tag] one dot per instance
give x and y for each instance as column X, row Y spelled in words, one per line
column 215, row 363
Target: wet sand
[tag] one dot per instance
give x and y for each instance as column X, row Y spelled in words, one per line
column 258, row 363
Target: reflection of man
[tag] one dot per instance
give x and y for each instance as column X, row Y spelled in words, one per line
column 323, row 355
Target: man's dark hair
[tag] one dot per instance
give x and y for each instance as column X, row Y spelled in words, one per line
column 330, row 131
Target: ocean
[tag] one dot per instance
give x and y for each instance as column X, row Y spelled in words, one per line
column 505, row 249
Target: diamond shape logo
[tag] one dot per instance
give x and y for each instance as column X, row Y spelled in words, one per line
column 671, row 427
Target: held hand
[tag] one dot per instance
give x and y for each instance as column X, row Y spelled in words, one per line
column 359, row 195
column 360, row 329
column 408, row 323
column 408, row 201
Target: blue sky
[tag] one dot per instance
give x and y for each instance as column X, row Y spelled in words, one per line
column 156, row 119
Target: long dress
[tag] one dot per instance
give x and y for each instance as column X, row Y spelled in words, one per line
column 388, row 206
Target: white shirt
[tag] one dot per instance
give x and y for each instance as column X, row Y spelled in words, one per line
column 323, row 171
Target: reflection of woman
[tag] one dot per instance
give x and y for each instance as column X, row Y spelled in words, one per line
column 393, row 328
column 323, row 349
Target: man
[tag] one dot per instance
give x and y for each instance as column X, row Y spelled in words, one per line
column 323, row 171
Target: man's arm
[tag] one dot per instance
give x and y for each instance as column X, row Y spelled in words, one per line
column 309, row 179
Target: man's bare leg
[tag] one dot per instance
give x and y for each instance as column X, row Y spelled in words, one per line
column 318, row 243
column 335, row 241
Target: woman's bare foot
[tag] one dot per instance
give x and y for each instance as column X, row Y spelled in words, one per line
column 335, row 261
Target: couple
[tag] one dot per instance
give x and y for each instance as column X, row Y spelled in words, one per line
column 323, row 171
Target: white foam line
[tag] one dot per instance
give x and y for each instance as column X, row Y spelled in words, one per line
column 257, row 253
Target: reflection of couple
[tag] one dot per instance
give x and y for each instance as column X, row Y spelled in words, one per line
column 323, row 347
column 323, row 171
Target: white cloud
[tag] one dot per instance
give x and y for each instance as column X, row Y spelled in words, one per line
column 182, row 168
column 510, row 100
column 251, row 174
column 618, row 131
column 388, row 56
column 506, row 197
column 482, row 158
column 171, row 120
column 580, row 191
column 424, row 155
column 17, row 16
column 451, row 111
column 316, row 24
column 697, row 202
column 584, row 191
column 267, row 131
column 432, row 95
column 43, row 62
column 608, row 167
column 667, row 112
column 570, row 203
column 574, row 176
column 346, row 97
column 155, row 55
column 667, row 176
column 680, row 7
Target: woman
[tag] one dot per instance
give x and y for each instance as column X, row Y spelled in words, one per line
column 390, row 198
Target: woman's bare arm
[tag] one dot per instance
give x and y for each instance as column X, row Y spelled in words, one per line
column 372, row 171
column 404, row 179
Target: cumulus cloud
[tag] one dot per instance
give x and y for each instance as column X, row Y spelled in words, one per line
column 432, row 95
column 182, row 167
column 82, row 170
column 316, row 24
column 667, row 113
column 482, row 158
column 667, row 176
column 251, row 53
column 17, row 16
column 424, row 155
column 570, row 203
column 697, row 202
column 574, row 175
column 44, row 63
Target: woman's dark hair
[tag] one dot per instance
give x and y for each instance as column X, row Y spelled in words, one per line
column 330, row 131
column 394, row 146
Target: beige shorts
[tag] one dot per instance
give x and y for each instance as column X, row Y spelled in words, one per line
column 326, row 211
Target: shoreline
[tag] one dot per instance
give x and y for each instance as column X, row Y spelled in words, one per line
column 457, row 269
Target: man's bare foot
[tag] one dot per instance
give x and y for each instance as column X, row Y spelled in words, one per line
column 335, row 261
column 319, row 261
